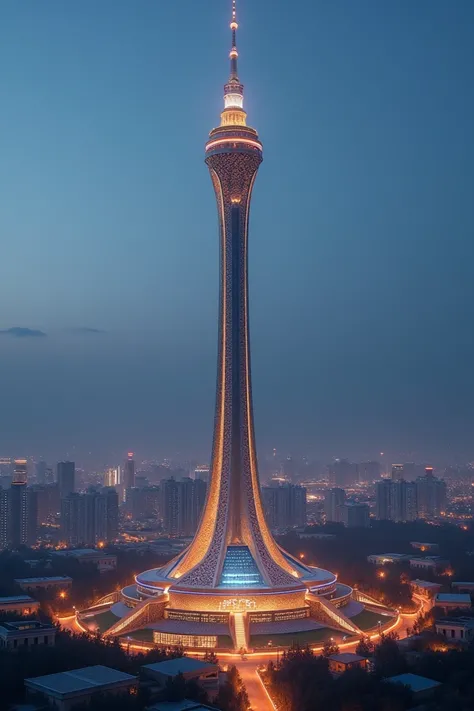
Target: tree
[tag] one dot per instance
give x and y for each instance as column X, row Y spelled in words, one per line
column 365, row 647
column 330, row 648
column 211, row 657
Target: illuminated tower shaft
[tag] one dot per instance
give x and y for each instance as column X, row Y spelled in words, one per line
column 233, row 514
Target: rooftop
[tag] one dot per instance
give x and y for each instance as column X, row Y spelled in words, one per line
column 346, row 658
column 78, row 680
column 425, row 584
column 415, row 682
column 184, row 705
column 456, row 621
column 15, row 598
column 453, row 597
column 26, row 625
column 82, row 551
column 51, row 579
column 172, row 667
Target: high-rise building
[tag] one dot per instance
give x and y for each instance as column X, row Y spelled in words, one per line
column 334, row 500
column 284, row 505
column 129, row 471
column 233, row 573
column 18, row 515
column 90, row 518
column 66, row 478
column 343, row 473
column 369, row 471
column 182, row 504
column 202, row 473
column 41, row 468
column 432, row 496
column 383, row 500
column 354, row 515
column 112, row 476
column 48, row 501
column 398, row 472
column 396, row 500
column 4, row 518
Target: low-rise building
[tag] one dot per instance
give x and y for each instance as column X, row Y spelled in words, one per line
column 421, row 687
column 204, row 673
column 56, row 582
column 423, row 546
column 456, row 628
column 429, row 562
column 453, row 601
column 425, row 589
column 19, row 605
column 102, row 561
column 67, row 689
column 384, row 558
column 340, row 663
column 26, row 634
column 463, row 586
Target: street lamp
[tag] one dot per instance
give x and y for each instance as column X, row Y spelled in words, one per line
column 380, row 627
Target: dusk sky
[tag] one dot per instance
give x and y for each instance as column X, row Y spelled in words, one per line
column 362, row 229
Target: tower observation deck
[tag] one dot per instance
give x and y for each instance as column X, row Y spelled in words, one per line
column 233, row 573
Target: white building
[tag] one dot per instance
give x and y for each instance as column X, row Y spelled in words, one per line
column 384, row 558
column 453, row 601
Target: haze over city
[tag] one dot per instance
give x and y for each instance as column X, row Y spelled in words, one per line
column 360, row 259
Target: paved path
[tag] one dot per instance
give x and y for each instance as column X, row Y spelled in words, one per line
column 258, row 697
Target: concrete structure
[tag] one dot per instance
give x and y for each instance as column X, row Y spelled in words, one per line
column 26, row 634
column 102, row 561
column 355, row 515
column 421, row 687
column 334, row 500
column 233, row 574
column 204, row 673
column 460, row 629
column 19, row 605
column 66, row 478
column 57, row 582
column 385, row 558
column 67, row 689
column 425, row 589
column 453, row 601
column 340, row 663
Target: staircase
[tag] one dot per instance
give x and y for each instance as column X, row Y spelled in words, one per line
column 240, row 635
column 335, row 615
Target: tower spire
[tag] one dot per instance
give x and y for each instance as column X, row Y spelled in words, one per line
column 234, row 26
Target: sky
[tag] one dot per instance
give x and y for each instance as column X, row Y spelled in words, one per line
column 362, row 227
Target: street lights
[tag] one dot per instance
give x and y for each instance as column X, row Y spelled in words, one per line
column 380, row 627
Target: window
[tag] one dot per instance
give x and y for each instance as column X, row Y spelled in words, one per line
column 452, row 633
column 461, row 633
column 36, row 640
column 46, row 639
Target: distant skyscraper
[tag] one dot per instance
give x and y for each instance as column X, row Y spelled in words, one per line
column 284, row 505
column 4, row 518
column 182, row 504
column 90, row 518
column 202, row 473
column 112, row 476
column 129, row 472
column 41, row 468
column 334, row 500
column 18, row 518
column 432, row 495
column 48, row 501
column 354, row 515
column 343, row 473
column 397, row 472
column 383, row 503
column 66, row 478
column 170, row 506
column 396, row 500
column 369, row 471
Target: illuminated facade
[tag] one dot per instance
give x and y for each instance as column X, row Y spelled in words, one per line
column 233, row 576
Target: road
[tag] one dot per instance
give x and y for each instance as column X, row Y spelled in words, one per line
column 258, row 697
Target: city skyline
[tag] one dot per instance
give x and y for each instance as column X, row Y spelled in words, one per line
column 369, row 245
